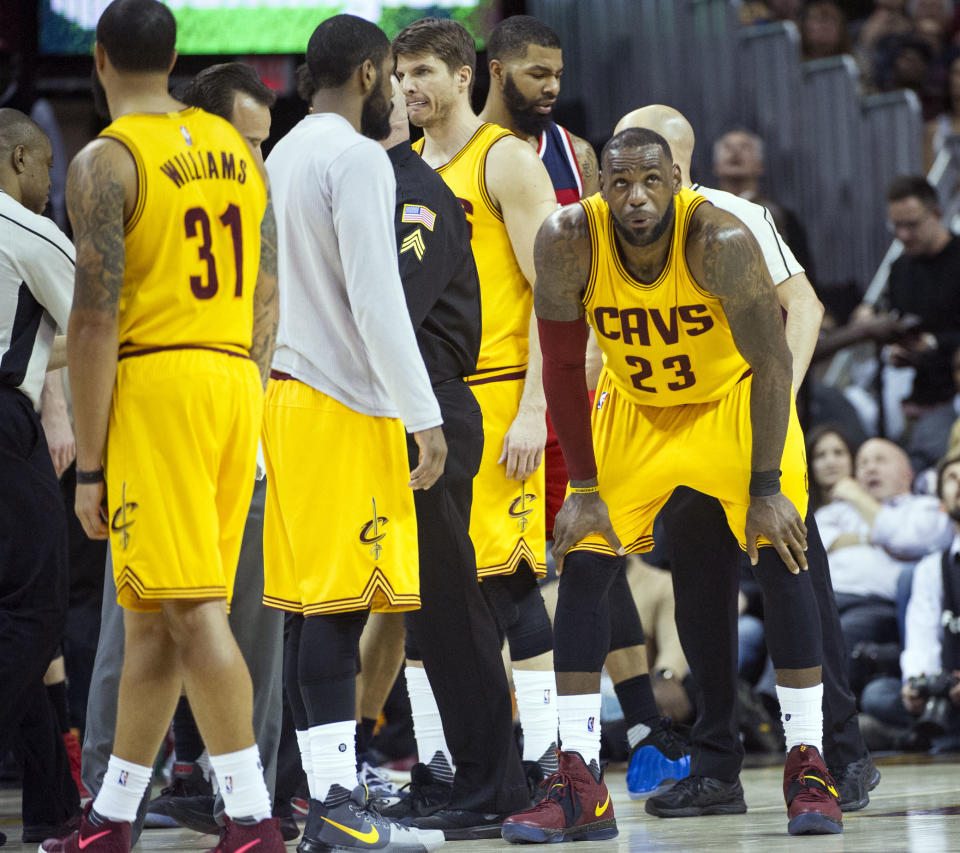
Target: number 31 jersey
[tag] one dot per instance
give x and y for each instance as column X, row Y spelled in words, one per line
column 192, row 243
column 667, row 342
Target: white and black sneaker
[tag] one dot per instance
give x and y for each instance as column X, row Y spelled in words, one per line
column 353, row 825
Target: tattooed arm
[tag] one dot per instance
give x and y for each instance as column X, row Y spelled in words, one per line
column 589, row 168
column 266, row 305
column 725, row 259
column 101, row 194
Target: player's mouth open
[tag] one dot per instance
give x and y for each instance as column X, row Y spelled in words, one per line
column 545, row 109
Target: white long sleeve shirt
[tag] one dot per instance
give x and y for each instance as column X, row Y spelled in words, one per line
column 906, row 528
column 923, row 643
column 344, row 327
column 37, row 265
column 776, row 253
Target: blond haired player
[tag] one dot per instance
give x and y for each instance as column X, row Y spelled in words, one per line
column 176, row 263
column 506, row 193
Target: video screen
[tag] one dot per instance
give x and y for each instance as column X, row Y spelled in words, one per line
column 213, row 27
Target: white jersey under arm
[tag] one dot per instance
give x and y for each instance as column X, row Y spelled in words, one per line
column 776, row 253
column 344, row 326
column 37, row 267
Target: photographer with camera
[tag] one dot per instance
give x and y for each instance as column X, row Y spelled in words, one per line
column 925, row 709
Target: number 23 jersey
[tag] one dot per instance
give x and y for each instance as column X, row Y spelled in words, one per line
column 192, row 243
column 667, row 342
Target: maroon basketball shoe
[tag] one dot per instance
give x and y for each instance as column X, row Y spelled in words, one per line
column 813, row 804
column 576, row 807
column 95, row 835
column 263, row 837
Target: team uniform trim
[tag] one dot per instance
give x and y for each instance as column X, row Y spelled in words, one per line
column 378, row 583
column 521, row 552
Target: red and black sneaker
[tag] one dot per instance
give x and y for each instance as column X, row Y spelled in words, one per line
column 813, row 804
column 576, row 807
column 95, row 835
column 263, row 837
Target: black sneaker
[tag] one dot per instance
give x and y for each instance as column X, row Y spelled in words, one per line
column 461, row 825
column 425, row 795
column 187, row 781
column 194, row 813
column 534, row 773
column 698, row 795
column 657, row 761
column 854, row 781
column 354, row 825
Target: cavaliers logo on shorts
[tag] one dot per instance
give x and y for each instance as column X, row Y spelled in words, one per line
column 123, row 519
column 374, row 531
column 522, row 506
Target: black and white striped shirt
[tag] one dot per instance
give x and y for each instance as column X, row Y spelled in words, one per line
column 36, row 289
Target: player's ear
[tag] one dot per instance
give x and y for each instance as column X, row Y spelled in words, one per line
column 173, row 61
column 464, row 77
column 17, row 159
column 366, row 76
column 496, row 71
column 677, row 179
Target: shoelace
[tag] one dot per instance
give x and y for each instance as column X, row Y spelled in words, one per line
column 554, row 785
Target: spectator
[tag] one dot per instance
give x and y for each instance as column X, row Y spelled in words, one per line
column 823, row 30
column 929, row 436
column 908, row 62
column 873, row 528
column 739, row 168
column 888, row 19
column 830, row 457
column 932, row 642
column 947, row 122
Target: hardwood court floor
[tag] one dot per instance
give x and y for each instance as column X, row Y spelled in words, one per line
column 916, row 808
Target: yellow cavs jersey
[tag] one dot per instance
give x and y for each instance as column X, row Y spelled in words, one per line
column 506, row 299
column 193, row 241
column 667, row 342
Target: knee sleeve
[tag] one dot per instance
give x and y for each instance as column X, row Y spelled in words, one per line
column 625, row 627
column 327, row 665
column 582, row 620
column 411, row 645
column 790, row 615
column 292, row 628
column 519, row 611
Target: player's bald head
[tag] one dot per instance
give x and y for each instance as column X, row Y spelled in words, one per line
column 671, row 124
column 17, row 128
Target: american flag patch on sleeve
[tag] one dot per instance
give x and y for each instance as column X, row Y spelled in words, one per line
column 418, row 213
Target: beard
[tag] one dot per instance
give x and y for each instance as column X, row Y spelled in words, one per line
column 659, row 230
column 375, row 114
column 100, row 105
column 522, row 111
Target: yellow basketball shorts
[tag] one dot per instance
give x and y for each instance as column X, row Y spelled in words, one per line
column 181, row 460
column 340, row 530
column 507, row 521
column 644, row 452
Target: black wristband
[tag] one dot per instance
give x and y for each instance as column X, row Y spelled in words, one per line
column 89, row 478
column 764, row 483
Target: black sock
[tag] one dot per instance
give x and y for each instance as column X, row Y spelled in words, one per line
column 58, row 696
column 364, row 735
column 636, row 699
column 186, row 735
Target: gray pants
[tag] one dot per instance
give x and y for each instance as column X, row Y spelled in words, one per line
column 259, row 633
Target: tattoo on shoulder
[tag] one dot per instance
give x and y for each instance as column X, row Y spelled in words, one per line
column 562, row 258
column 732, row 265
column 95, row 200
column 589, row 166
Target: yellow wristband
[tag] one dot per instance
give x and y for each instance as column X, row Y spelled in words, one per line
column 585, row 490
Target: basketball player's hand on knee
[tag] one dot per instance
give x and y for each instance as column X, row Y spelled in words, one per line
column 433, row 455
column 523, row 445
column 91, row 508
column 775, row 518
column 580, row 516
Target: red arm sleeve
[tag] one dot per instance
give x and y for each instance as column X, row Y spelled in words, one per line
column 564, row 346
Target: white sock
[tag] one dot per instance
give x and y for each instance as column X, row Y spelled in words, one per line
column 303, row 741
column 580, row 725
column 427, row 725
column 536, row 693
column 244, row 791
column 122, row 789
column 333, row 757
column 801, row 709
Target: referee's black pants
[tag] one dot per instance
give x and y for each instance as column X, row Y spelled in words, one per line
column 705, row 560
column 454, row 631
column 34, row 588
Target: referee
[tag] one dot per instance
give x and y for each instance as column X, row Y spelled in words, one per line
column 453, row 633
column 36, row 288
